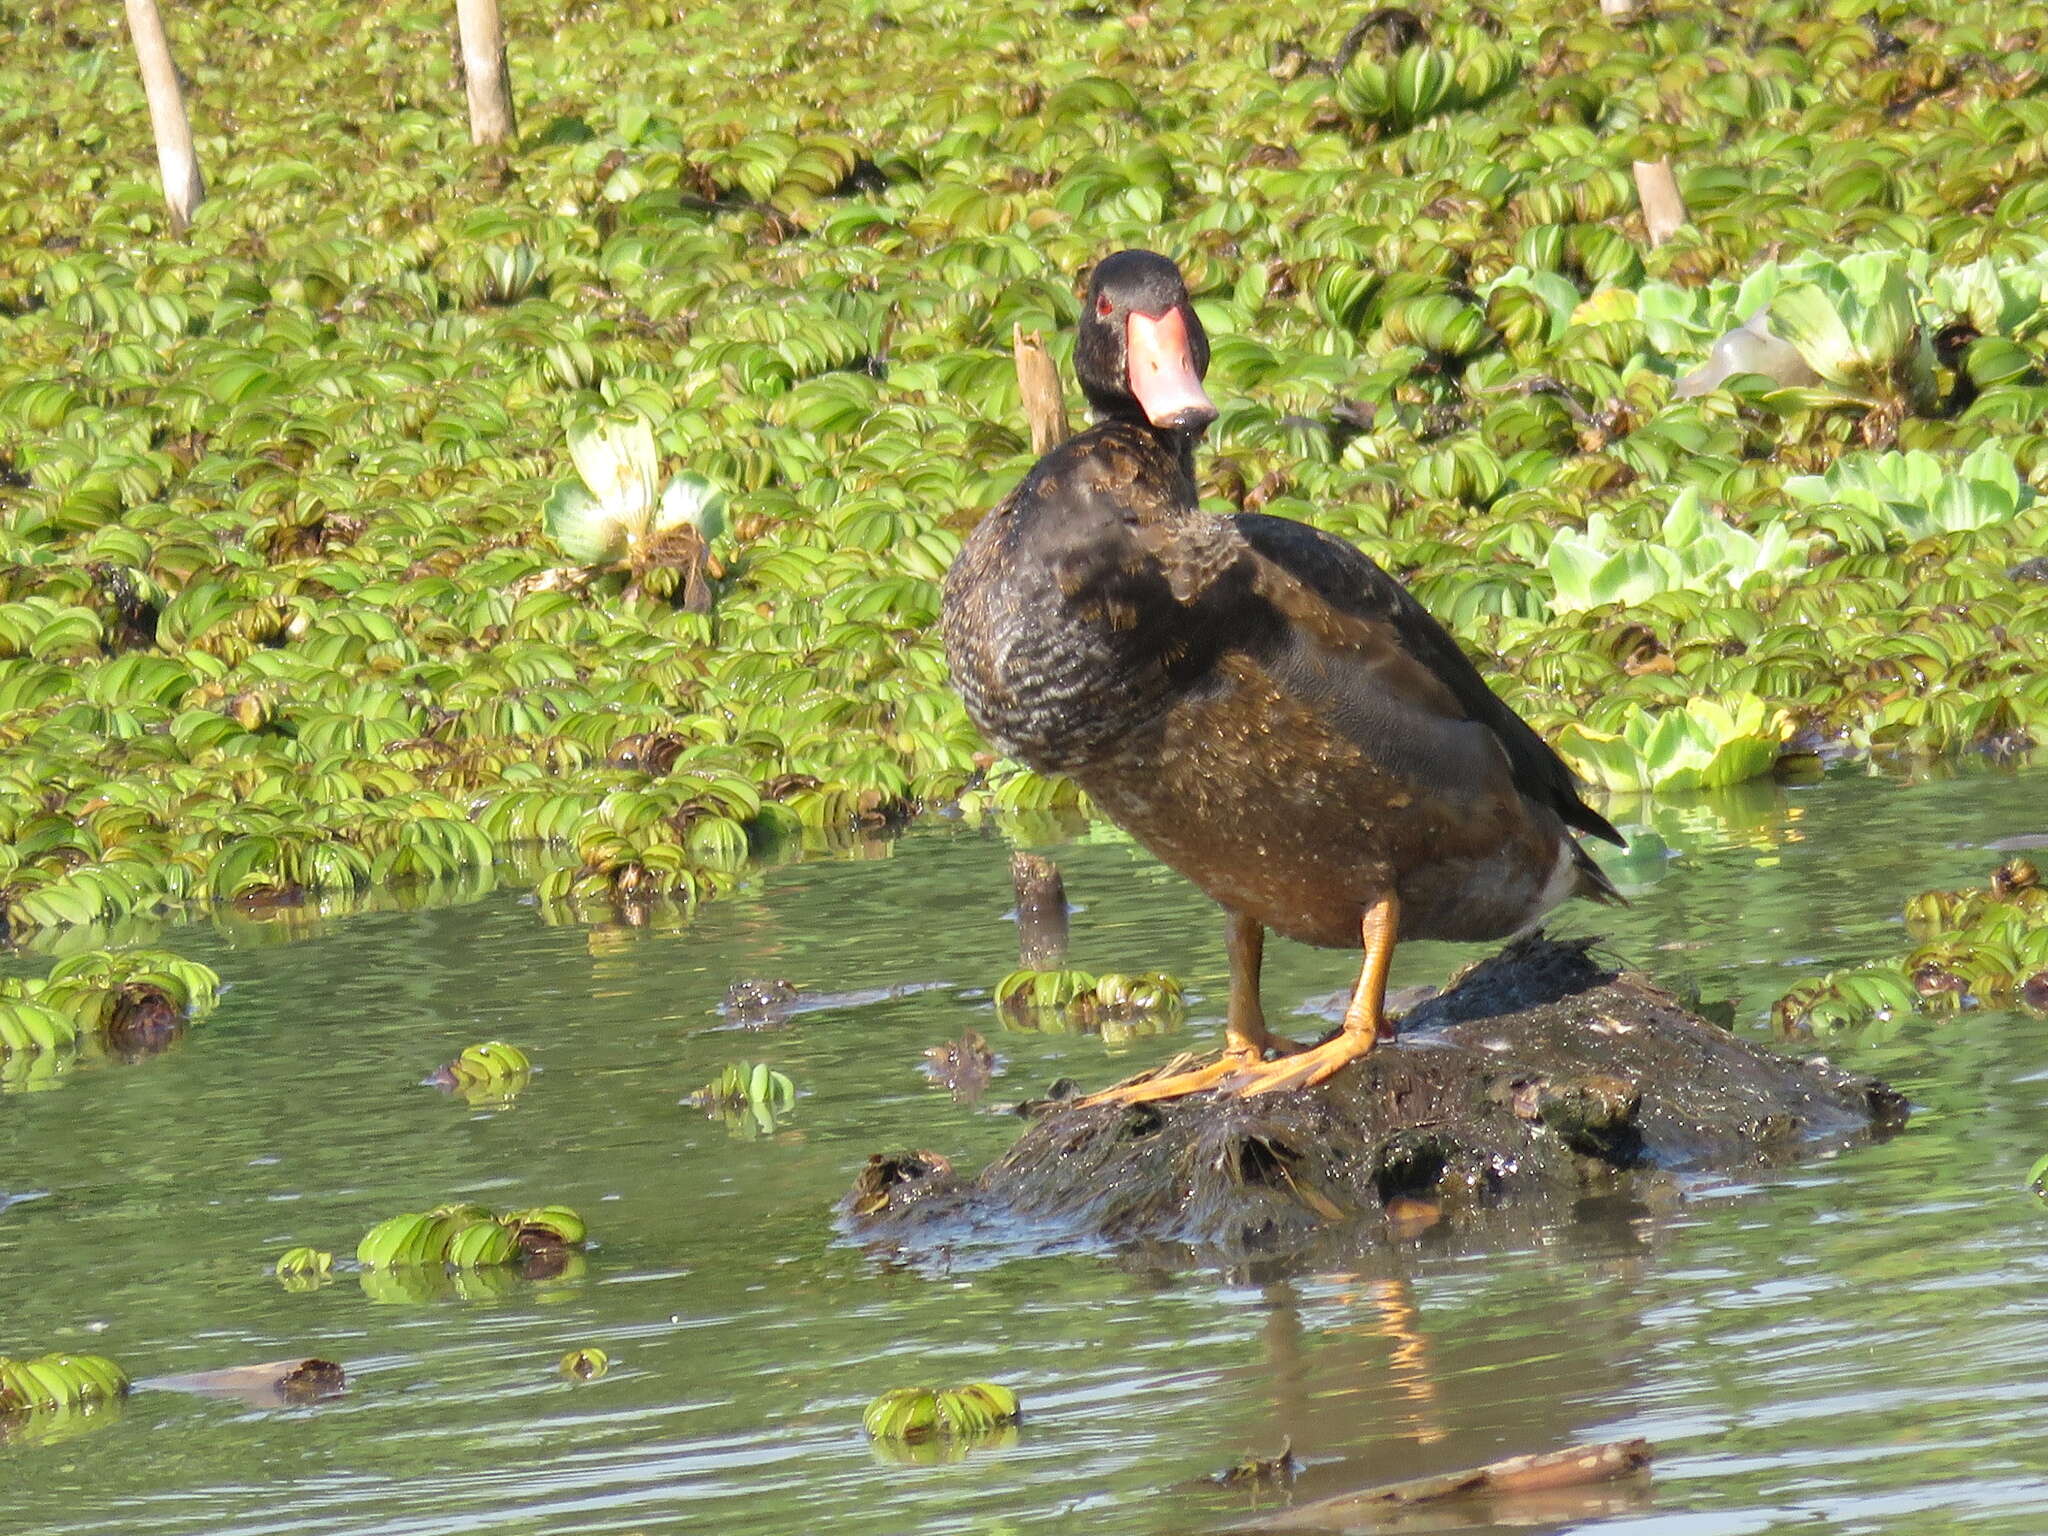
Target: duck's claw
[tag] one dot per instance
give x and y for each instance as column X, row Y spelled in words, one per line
column 1303, row 1069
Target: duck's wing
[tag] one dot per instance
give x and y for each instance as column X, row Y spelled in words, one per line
column 1358, row 638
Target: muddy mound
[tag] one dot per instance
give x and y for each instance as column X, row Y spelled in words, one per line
column 1539, row 1075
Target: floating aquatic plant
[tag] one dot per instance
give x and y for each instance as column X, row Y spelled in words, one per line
column 58, row 1381
column 1918, row 493
column 1857, row 326
column 917, row 1413
column 585, row 1364
column 1114, row 1003
column 304, row 1263
column 1982, row 947
column 621, row 509
column 1705, row 744
column 749, row 1096
column 488, row 1073
column 465, row 1237
column 1694, row 549
column 127, row 1004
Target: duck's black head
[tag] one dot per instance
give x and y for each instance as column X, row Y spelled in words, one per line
column 1141, row 352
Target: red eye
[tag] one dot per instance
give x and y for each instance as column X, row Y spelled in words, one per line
column 1103, row 307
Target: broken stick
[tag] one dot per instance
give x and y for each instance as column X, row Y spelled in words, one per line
column 1579, row 1467
column 1038, row 381
column 1664, row 212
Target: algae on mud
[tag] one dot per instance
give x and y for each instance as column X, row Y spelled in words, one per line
column 1539, row 1075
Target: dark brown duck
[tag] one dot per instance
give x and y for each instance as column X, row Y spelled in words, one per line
column 1254, row 700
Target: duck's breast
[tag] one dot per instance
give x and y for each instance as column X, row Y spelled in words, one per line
column 1061, row 633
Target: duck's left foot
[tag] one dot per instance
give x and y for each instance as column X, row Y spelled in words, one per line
column 1304, row 1069
column 1171, row 1081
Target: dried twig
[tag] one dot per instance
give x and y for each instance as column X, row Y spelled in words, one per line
column 1041, row 912
column 1578, row 1467
column 487, row 74
column 184, row 188
column 1038, row 381
column 1657, row 190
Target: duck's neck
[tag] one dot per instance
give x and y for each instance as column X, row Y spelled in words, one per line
column 1178, row 446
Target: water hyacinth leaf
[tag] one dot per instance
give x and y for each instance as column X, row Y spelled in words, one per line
column 589, row 531
column 692, row 501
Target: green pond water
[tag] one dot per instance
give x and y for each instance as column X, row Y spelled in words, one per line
column 1856, row 1344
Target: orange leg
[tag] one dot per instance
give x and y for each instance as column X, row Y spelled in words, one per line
column 1365, row 1021
column 1247, row 1039
column 1244, row 939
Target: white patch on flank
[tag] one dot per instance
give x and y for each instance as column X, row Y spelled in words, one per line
column 1563, row 881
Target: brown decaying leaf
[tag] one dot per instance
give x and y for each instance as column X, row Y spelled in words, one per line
column 877, row 1181
column 1250, row 1471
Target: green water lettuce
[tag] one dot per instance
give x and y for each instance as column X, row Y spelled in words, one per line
column 1706, row 744
column 1919, row 493
column 1695, row 548
column 1857, row 325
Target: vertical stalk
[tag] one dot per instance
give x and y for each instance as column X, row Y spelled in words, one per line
column 184, row 188
column 1657, row 190
column 1038, row 381
column 1041, row 912
column 485, row 69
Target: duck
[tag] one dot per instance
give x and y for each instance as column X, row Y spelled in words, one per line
column 1254, row 700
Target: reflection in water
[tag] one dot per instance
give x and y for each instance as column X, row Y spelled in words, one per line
column 1852, row 1345
column 1429, row 1382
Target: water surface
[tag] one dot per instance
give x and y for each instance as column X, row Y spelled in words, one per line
column 1856, row 1345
